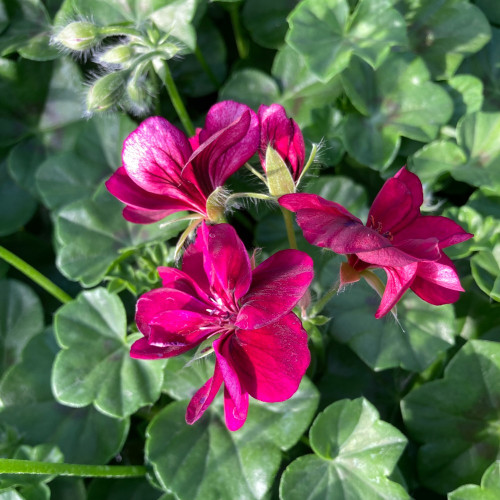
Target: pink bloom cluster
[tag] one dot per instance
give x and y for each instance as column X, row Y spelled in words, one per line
column 219, row 296
column 260, row 345
column 396, row 238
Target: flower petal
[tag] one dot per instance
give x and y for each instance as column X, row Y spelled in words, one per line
column 226, row 262
column 399, row 280
column 397, row 204
column 154, row 156
column 235, row 416
column 446, row 231
column 184, row 282
column 141, row 216
column 437, row 282
column 141, row 349
column 204, row 397
column 283, row 135
column 278, row 284
column 229, row 139
column 270, row 361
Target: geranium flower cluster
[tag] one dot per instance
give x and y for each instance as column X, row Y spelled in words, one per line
column 220, row 296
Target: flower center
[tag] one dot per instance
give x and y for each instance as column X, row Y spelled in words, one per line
column 378, row 227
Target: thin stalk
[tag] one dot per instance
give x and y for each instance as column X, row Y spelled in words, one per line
column 241, row 41
column 309, row 162
column 256, row 173
column 256, row 196
column 34, row 275
column 290, row 232
column 206, row 68
column 13, row 466
column 318, row 307
column 163, row 71
column 120, row 30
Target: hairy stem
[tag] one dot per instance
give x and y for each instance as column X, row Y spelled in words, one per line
column 206, row 68
column 163, row 71
column 34, row 275
column 12, row 466
column 290, row 232
column 318, row 307
column 241, row 41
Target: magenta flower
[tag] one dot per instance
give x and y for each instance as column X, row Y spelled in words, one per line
column 164, row 172
column 397, row 238
column 260, row 345
column 284, row 136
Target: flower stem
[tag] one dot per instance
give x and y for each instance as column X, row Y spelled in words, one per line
column 13, row 466
column 203, row 63
column 318, row 307
column 241, row 41
column 35, row 275
column 287, row 216
column 256, row 173
column 163, row 71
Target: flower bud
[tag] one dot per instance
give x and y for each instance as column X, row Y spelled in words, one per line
column 279, row 178
column 106, row 91
column 79, row 35
column 119, row 54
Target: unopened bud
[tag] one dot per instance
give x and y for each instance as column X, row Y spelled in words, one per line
column 79, row 35
column 279, row 178
column 106, row 91
column 119, row 54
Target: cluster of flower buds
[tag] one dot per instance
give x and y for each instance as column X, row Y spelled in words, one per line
column 242, row 312
column 125, row 78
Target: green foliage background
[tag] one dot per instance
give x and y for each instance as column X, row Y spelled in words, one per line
column 387, row 410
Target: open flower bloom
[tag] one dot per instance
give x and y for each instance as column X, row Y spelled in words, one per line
column 282, row 149
column 164, row 172
column 397, row 238
column 260, row 345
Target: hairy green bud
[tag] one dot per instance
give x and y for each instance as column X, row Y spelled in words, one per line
column 119, row 54
column 106, row 91
column 79, row 36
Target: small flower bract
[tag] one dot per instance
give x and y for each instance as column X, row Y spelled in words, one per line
column 260, row 345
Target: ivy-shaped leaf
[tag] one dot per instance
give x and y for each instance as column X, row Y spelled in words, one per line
column 457, row 418
column 354, row 453
column 228, row 465
column 489, row 489
column 327, row 35
column 83, row 435
column 94, row 365
column 21, row 318
column 424, row 331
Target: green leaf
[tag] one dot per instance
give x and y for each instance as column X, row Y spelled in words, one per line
column 230, row 465
column 489, row 489
column 83, row 435
column 485, row 267
column 467, row 94
column 122, row 489
column 458, row 429
column 94, row 365
column 424, row 331
column 17, row 206
column 478, row 136
column 408, row 105
column 302, row 92
column 445, row 32
column 266, row 21
column 93, row 234
column 326, row 35
column 21, row 318
column 251, row 87
column 354, row 453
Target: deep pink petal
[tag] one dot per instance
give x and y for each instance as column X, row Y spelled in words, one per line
column 141, row 349
column 229, row 139
column 154, row 156
column 204, row 397
column 437, row 282
column 192, row 262
column 283, row 135
column 155, row 302
column 141, row 216
column 278, row 284
column 427, row 249
column 183, row 281
column 399, row 280
column 235, row 416
column 180, row 328
column 397, row 203
column 446, row 231
column 271, row 361
column 226, row 262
